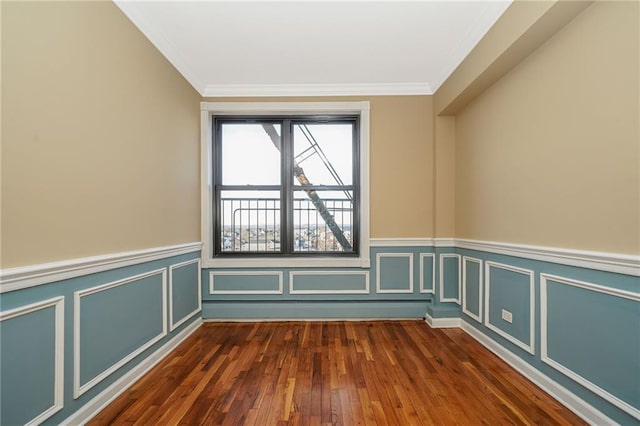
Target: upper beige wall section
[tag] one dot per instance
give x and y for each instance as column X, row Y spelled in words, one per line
column 100, row 136
column 550, row 154
column 401, row 168
column 522, row 28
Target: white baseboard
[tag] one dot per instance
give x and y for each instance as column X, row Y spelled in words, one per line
column 442, row 322
column 104, row 398
column 219, row 320
column 567, row 398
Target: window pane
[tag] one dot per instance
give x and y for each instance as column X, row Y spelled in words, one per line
column 323, row 153
column 323, row 221
column 250, row 153
column 250, row 221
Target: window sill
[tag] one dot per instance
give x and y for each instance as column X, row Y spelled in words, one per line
column 318, row 262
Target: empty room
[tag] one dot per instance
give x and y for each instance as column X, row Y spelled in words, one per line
column 320, row 212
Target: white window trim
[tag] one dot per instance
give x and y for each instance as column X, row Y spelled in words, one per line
column 209, row 110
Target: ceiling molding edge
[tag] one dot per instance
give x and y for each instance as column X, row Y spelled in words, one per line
column 161, row 43
column 356, row 89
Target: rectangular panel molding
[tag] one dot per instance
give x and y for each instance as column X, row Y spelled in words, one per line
column 173, row 325
column 278, row 274
column 528, row 346
column 363, row 290
column 58, row 391
column 432, row 278
column 466, row 260
column 442, row 277
column 80, row 388
column 544, row 279
column 379, row 282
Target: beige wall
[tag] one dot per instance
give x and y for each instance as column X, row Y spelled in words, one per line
column 549, row 155
column 445, row 177
column 100, row 136
column 401, row 165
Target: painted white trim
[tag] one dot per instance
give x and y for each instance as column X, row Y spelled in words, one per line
column 104, row 398
column 466, row 259
column 212, row 289
column 12, row 279
column 284, row 262
column 580, row 407
column 379, row 289
column 442, row 322
column 353, row 89
column 78, row 388
column 487, row 279
column 211, row 109
column 242, row 320
column 444, row 242
column 610, row 262
column 441, row 278
column 58, row 376
column 401, row 242
column 544, row 356
column 433, row 273
column 172, row 325
column 292, row 274
column 593, row 287
column 156, row 36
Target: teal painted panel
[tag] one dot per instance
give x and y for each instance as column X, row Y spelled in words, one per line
column 117, row 321
column 597, row 336
column 427, row 273
column 395, row 273
column 185, row 297
column 313, row 310
column 330, row 282
column 510, row 290
column 27, row 366
column 451, row 277
column 471, row 284
column 245, row 282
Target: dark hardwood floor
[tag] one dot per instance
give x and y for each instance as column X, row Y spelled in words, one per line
column 338, row 373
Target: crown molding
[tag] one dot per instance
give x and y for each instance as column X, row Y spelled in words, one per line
column 373, row 89
column 166, row 47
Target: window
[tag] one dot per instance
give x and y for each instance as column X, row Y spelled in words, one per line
column 285, row 184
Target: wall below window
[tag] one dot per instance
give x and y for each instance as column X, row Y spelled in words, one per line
column 398, row 285
column 75, row 335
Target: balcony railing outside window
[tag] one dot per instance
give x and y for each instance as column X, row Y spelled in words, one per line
column 253, row 225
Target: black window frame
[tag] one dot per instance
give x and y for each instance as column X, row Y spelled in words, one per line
column 286, row 186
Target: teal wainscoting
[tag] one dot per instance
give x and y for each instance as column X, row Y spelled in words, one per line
column 398, row 285
column 31, row 382
column 472, row 287
column 579, row 327
column 66, row 346
column 449, row 278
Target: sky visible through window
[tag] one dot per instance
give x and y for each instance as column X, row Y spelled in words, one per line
column 249, row 157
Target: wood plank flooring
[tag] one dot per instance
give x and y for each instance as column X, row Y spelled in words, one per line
column 332, row 373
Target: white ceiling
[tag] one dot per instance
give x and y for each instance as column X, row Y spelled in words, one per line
column 268, row 48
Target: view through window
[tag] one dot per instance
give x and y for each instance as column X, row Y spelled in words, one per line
column 286, row 185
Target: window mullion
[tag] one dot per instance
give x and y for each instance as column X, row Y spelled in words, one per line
column 286, row 240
